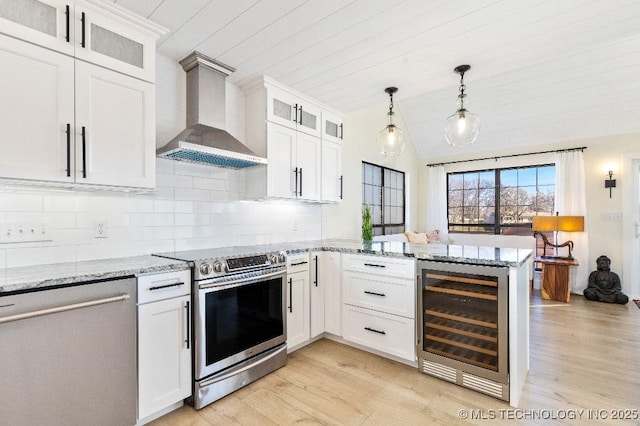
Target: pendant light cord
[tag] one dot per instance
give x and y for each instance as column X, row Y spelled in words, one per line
column 462, row 95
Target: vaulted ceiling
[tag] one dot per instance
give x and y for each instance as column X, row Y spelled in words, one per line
column 542, row 71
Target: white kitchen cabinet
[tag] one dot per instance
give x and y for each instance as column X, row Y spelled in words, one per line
column 36, row 112
column 294, row 166
column 96, row 128
column 285, row 127
column 332, row 127
column 114, row 128
column 297, row 301
column 331, row 171
column 379, row 303
column 287, row 109
column 164, row 342
column 325, row 293
column 94, row 31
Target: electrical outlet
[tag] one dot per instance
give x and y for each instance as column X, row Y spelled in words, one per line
column 100, row 229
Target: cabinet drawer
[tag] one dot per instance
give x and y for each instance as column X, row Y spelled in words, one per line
column 298, row 262
column 387, row 333
column 164, row 285
column 386, row 294
column 379, row 265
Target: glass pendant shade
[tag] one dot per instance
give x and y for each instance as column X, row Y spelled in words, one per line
column 461, row 128
column 391, row 141
column 391, row 138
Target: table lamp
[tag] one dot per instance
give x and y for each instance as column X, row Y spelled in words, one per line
column 557, row 223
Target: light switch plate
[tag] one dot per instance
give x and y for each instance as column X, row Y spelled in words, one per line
column 26, row 232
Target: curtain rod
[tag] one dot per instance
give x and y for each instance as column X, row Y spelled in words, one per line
column 582, row 148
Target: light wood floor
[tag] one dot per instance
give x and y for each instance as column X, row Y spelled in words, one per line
column 584, row 356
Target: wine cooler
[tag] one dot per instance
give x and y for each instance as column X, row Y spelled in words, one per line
column 463, row 325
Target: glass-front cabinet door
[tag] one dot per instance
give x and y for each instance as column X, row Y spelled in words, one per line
column 48, row 23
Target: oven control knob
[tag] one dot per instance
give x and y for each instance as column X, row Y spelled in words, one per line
column 217, row 266
column 205, row 268
column 282, row 258
column 274, row 259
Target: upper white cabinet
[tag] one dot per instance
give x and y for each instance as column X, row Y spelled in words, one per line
column 289, row 110
column 332, row 127
column 115, row 128
column 287, row 128
column 94, row 31
column 78, row 106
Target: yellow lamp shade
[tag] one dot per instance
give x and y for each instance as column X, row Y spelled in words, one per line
column 558, row 223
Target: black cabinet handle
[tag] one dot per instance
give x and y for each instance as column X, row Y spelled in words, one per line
column 67, row 17
column 299, row 263
column 188, row 339
column 290, row 294
column 315, row 259
column 300, row 181
column 295, row 192
column 84, row 152
column 341, row 180
column 373, row 265
column 373, row 293
column 341, row 132
column 300, row 116
column 160, row 287
column 374, row 330
column 295, row 108
column 83, row 20
column 68, row 148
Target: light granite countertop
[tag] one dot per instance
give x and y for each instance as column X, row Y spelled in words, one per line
column 31, row 277
column 35, row 277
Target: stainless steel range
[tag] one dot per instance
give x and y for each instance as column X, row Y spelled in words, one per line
column 239, row 318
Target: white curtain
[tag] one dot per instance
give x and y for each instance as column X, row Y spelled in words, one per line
column 571, row 200
column 436, row 208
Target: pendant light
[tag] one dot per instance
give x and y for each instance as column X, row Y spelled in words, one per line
column 462, row 127
column 391, row 138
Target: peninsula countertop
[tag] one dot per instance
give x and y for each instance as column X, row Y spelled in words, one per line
column 30, row 277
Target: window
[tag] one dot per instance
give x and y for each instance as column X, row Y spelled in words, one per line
column 500, row 201
column 383, row 191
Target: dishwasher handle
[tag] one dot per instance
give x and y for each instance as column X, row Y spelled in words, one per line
column 63, row 308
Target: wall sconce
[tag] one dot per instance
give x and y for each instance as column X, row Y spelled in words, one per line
column 610, row 183
column 554, row 224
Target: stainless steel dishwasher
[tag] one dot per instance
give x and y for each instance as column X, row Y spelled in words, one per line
column 68, row 355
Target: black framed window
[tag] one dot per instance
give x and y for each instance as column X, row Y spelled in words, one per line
column 500, row 201
column 383, row 189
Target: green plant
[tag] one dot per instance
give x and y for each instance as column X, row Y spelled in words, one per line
column 367, row 224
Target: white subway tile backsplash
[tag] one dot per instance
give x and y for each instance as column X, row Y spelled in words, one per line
column 164, row 206
column 184, row 194
column 12, row 202
column 40, row 255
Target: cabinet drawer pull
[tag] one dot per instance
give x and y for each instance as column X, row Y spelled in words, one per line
column 373, row 265
column 84, row 152
column 67, row 17
column 374, row 330
column 373, row 293
column 68, row 147
column 299, row 263
column 188, row 315
column 290, row 295
column 160, row 287
column 83, row 20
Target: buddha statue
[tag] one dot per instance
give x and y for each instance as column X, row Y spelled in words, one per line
column 604, row 285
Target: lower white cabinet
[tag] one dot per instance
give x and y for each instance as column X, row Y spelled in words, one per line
column 164, row 342
column 325, row 278
column 379, row 303
column 297, row 300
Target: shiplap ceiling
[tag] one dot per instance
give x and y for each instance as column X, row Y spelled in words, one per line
column 543, row 71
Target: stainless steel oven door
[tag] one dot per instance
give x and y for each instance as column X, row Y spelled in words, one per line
column 238, row 319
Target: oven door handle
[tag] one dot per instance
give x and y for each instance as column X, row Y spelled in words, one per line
column 242, row 281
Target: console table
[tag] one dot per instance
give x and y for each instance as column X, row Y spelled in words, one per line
column 555, row 278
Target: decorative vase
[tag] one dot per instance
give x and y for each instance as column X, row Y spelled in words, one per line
column 367, row 224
